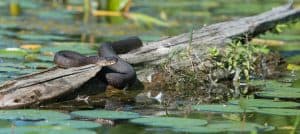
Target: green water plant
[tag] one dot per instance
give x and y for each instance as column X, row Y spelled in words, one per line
column 266, row 103
column 223, row 108
column 237, row 56
column 31, row 114
column 171, row 122
column 70, row 123
column 105, row 114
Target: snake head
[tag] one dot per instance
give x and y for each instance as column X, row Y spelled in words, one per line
column 106, row 61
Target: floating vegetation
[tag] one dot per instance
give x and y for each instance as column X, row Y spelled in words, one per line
column 44, row 130
column 223, row 108
column 70, row 123
column 264, row 103
column 288, row 94
column 278, row 111
column 31, row 114
column 8, row 69
column 56, row 15
column 269, row 84
column 237, row 127
column 105, row 114
column 44, row 37
column 39, row 65
column 16, row 53
column 172, row 122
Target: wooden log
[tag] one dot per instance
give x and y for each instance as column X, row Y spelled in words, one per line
column 215, row 35
column 45, row 85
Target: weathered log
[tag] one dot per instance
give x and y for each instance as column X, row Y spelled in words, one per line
column 45, row 85
column 215, row 35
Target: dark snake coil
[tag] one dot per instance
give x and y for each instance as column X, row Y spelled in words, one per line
column 119, row 75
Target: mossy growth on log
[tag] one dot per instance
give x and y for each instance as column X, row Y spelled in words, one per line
column 218, row 77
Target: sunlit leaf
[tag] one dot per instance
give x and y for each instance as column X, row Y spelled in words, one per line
column 12, row 53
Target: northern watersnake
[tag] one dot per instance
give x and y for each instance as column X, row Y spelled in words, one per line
column 119, row 75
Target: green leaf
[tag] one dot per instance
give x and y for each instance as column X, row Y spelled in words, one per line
column 288, row 94
column 226, row 126
column 70, row 123
column 8, row 69
column 31, row 114
column 222, row 108
column 44, row 130
column 38, row 37
column 269, row 84
column 264, row 103
column 39, row 65
column 105, row 114
column 278, row 111
column 16, row 53
column 172, row 122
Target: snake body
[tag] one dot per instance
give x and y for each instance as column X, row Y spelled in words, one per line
column 116, row 71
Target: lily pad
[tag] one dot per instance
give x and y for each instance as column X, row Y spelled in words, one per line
column 70, row 123
column 172, row 122
column 8, row 69
column 44, row 130
column 39, row 65
column 269, row 83
column 10, row 64
column 37, row 37
column 31, row 114
column 5, row 124
column 266, row 103
column 12, row 53
column 56, row 15
column 205, row 130
column 288, row 94
column 30, row 4
column 222, row 108
column 7, row 33
column 227, row 127
column 105, row 114
column 45, row 58
column 278, row 111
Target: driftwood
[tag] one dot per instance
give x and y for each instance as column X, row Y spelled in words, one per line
column 42, row 86
column 215, row 35
column 49, row 84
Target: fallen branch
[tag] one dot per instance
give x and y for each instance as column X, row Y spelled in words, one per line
column 215, row 35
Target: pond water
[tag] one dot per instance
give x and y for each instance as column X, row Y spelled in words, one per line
column 27, row 44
